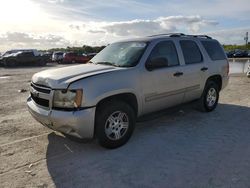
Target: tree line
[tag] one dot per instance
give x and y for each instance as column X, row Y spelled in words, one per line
column 84, row 49
column 238, row 47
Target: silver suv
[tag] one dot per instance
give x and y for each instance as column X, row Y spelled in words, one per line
column 128, row 79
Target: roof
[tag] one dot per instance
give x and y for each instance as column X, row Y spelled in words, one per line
column 167, row 35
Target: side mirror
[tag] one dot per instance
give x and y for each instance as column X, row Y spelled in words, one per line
column 156, row 63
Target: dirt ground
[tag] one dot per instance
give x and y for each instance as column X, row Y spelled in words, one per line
column 180, row 147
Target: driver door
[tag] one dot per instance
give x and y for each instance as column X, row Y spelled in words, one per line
column 166, row 85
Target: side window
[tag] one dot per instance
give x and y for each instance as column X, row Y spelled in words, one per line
column 167, row 50
column 191, row 52
column 26, row 54
column 214, row 50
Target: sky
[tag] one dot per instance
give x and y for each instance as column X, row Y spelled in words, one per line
column 45, row 24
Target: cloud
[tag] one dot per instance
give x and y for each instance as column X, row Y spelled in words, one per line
column 24, row 40
column 230, row 36
column 55, row 1
column 140, row 27
column 72, row 26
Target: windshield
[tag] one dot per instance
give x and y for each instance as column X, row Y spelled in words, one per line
column 121, row 54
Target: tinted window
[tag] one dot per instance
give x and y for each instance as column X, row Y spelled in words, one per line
column 214, row 50
column 27, row 54
column 191, row 52
column 166, row 50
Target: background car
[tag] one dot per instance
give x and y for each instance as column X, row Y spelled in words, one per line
column 72, row 57
column 248, row 53
column 57, row 57
column 23, row 58
column 9, row 52
column 240, row 53
column 230, row 53
column 47, row 56
column 91, row 55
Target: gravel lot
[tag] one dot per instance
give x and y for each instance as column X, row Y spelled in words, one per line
column 180, row 147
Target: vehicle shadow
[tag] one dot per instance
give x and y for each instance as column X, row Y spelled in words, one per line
column 177, row 148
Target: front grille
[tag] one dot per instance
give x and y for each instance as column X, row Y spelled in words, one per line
column 41, row 88
column 40, row 95
column 40, row 101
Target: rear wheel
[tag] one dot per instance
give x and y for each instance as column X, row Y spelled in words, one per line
column 115, row 122
column 10, row 63
column 41, row 63
column 209, row 98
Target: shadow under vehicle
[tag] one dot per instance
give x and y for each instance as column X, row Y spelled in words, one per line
column 181, row 148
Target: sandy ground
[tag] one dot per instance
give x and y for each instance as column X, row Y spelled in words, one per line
column 180, row 147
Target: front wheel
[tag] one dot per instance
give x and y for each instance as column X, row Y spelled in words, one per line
column 209, row 98
column 115, row 122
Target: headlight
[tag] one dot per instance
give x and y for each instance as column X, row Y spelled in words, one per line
column 67, row 98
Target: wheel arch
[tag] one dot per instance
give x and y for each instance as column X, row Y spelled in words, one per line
column 217, row 79
column 129, row 98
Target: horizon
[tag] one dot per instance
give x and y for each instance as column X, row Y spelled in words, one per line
column 60, row 23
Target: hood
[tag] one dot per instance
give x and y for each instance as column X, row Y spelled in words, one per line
column 60, row 78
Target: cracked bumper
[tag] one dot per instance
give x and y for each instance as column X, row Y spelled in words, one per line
column 75, row 123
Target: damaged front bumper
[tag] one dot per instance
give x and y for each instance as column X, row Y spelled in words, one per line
column 78, row 123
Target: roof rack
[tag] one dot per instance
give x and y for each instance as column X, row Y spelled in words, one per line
column 181, row 35
column 200, row 36
column 168, row 34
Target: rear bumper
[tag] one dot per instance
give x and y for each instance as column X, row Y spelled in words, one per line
column 75, row 123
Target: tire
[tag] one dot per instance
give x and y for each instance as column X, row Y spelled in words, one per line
column 115, row 122
column 41, row 63
column 10, row 63
column 209, row 98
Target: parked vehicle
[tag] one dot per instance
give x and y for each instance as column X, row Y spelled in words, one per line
column 47, row 56
column 91, row 55
column 22, row 58
column 57, row 57
column 127, row 80
column 230, row 54
column 248, row 53
column 14, row 51
column 72, row 57
column 240, row 53
column 248, row 71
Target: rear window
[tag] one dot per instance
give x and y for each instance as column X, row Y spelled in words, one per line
column 214, row 50
column 191, row 52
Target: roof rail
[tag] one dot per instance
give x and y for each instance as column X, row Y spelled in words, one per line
column 181, row 35
column 168, row 34
column 201, row 36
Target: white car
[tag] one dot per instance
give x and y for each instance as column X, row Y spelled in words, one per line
column 57, row 56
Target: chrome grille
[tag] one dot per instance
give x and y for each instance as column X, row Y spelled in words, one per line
column 41, row 95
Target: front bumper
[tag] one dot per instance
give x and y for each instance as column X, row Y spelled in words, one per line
column 75, row 123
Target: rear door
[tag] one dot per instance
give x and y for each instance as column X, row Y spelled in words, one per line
column 195, row 68
column 26, row 58
column 163, row 87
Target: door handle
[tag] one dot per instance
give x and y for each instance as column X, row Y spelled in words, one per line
column 177, row 74
column 204, row 69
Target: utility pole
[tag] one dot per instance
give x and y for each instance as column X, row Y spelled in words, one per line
column 246, row 38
